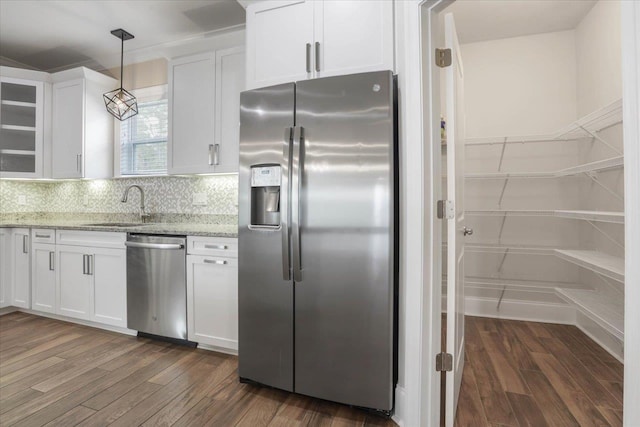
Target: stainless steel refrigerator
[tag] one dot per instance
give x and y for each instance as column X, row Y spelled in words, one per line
column 318, row 238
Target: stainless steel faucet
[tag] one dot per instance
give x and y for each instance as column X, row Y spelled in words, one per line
column 125, row 196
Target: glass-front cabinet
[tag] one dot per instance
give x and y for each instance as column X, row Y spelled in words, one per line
column 21, row 128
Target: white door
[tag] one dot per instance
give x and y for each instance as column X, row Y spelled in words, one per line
column 21, row 269
column 454, row 95
column 279, row 42
column 43, row 283
column 230, row 81
column 73, row 274
column 352, row 36
column 68, row 129
column 192, row 99
column 212, row 301
column 109, row 274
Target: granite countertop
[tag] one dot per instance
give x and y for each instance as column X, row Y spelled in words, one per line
column 190, row 229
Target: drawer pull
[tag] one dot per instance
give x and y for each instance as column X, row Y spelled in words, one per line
column 216, row 246
column 215, row 261
column 43, row 236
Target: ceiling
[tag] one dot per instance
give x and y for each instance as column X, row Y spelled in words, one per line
column 513, row 18
column 56, row 35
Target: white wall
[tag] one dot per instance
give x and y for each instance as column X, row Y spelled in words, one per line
column 509, row 84
column 598, row 54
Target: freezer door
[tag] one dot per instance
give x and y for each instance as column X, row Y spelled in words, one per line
column 265, row 292
column 344, row 286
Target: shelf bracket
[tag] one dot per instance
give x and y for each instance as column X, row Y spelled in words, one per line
column 605, row 234
column 595, row 179
column 504, row 146
column 504, row 288
column 504, row 187
column 595, row 135
column 504, row 219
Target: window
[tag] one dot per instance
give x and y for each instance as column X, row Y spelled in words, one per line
column 143, row 138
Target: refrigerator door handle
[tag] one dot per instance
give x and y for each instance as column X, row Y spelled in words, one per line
column 284, row 201
column 296, row 170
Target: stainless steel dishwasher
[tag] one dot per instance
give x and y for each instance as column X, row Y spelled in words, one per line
column 156, row 285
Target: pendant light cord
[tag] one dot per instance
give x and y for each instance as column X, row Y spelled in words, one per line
column 121, row 59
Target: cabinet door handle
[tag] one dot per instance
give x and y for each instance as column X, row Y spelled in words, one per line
column 25, row 244
column 79, row 162
column 216, row 154
column 215, row 261
column 318, row 56
column 52, row 260
column 84, row 264
column 216, row 247
column 308, row 57
column 210, row 154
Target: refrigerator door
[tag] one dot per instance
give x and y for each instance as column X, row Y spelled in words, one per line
column 344, row 289
column 265, row 290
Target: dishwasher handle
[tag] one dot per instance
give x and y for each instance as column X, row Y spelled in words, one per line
column 154, row 245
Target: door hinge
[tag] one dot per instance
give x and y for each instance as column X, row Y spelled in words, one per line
column 446, row 209
column 444, row 362
column 443, row 57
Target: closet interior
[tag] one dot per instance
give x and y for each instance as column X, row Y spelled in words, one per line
column 544, row 190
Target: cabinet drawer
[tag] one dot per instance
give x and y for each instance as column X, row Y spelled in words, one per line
column 43, row 235
column 212, row 246
column 99, row 239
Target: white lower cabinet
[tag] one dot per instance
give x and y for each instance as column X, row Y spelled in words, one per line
column 91, row 281
column 5, row 267
column 212, row 301
column 21, row 268
column 43, row 277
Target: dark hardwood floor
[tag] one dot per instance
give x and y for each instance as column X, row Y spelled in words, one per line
column 60, row 374
column 536, row 374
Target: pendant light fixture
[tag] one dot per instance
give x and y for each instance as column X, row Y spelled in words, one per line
column 120, row 103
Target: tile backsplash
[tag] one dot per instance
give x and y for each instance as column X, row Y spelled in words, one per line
column 163, row 195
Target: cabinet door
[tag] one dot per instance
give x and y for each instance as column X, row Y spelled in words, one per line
column 74, row 284
column 230, row 81
column 192, row 100
column 353, row 36
column 109, row 273
column 68, row 129
column 21, row 128
column 43, row 283
column 21, row 291
column 5, row 267
column 277, row 36
column 212, row 301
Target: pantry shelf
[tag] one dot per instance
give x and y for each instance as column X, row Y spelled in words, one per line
column 607, row 311
column 598, row 262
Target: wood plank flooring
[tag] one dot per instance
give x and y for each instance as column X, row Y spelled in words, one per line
column 55, row 373
column 536, row 374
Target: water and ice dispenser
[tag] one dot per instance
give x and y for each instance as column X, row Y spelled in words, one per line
column 265, row 195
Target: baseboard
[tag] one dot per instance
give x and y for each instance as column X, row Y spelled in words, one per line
column 520, row 310
column 7, row 310
column 604, row 339
column 110, row 328
column 400, row 406
column 218, row 349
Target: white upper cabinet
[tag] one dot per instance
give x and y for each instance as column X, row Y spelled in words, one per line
column 204, row 108
column 192, row 97
column 297, row 40
column 279, row 42
column 82, row 140
column 22, row 123
column 230, row 80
